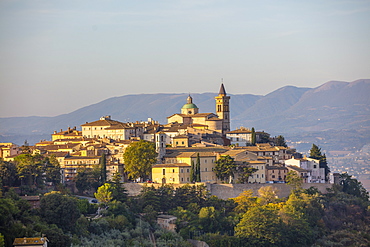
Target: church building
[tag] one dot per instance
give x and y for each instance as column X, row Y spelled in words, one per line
column 219, row 122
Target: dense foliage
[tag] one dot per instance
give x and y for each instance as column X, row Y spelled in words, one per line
column 340, row 217
column 139, row 158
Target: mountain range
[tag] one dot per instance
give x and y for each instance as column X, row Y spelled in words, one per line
column 332, row 107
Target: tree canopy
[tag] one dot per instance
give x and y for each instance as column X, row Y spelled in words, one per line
column 139, row 158
column 225, row 168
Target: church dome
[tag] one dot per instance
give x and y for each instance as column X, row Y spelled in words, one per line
column 189, row 106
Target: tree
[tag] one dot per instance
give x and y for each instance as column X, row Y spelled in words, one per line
column 59, row 209
column 267, row 194
column 280, row 141
column 245, row 172
column 261, row 225
column 353, row 187
column 197, row 170
column 245, row 201
column 104, row 193
column 103, row 167
column 192, row 172
column 30, row 168
column 8, row 173
column 225, row 168
column 119, row 193
column 139, row 158
column 253, row 141
column 82, row 180
column 294, row 180
column 52, row 170
column 315, row 153
column 264, row 137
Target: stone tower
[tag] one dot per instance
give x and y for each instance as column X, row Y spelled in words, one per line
column 160, row 146
column 222, row 109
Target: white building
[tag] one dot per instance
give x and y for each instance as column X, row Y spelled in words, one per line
column 315, row 173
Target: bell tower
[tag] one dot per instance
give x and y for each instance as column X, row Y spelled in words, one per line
column 222, row 109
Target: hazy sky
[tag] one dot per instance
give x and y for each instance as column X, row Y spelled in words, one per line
column 58, row 56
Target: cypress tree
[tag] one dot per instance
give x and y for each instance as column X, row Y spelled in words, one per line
column 253, row 136
column 103, row 167
column 197, row 168
column 192, row 172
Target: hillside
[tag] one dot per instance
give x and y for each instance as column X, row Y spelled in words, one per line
column 333, row 106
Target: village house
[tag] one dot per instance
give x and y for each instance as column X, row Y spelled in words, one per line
column 70, row 133
column 8, row 150
column 276, row 173
column 171, row 173
column 314, row 172
column 303, row 173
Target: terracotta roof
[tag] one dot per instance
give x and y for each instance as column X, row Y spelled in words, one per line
column 296, row 168
column 214, row 119
column 82, row 158
column 58, row 154
column 171, row 165
column 239, row 131
column 180, row 136
column 105, row 122
column 276, row 168
column 256, row 162
column 29, row 241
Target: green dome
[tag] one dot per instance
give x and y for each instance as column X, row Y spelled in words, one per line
column 189, row 106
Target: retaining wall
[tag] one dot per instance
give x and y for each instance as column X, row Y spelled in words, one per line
column 226, row 191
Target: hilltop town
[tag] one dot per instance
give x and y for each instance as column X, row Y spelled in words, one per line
column 189, row 182
column 188, row 137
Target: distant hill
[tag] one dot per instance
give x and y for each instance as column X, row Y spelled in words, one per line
column 333, row 106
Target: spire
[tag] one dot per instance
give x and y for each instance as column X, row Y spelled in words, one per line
column 189, row 100
column 222, row 90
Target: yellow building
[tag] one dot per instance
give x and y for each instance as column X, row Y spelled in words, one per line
column 207, row 158
column 71, row 164
column 67, row 134
column 175, row 173
column 8, row 149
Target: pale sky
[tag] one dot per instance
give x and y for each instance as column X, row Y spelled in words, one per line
column 58, row 56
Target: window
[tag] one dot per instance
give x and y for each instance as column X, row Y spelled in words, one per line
column 206, row 169
column 314, row 166
column 182, row 179
column 164, row 171
column 187, row 179
column 261, row 175
column 257, row 176
column 273, row 176
column 187, row 170
column 182, row 170
column 173, row 170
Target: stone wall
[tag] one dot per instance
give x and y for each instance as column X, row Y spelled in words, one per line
column 226, row 191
